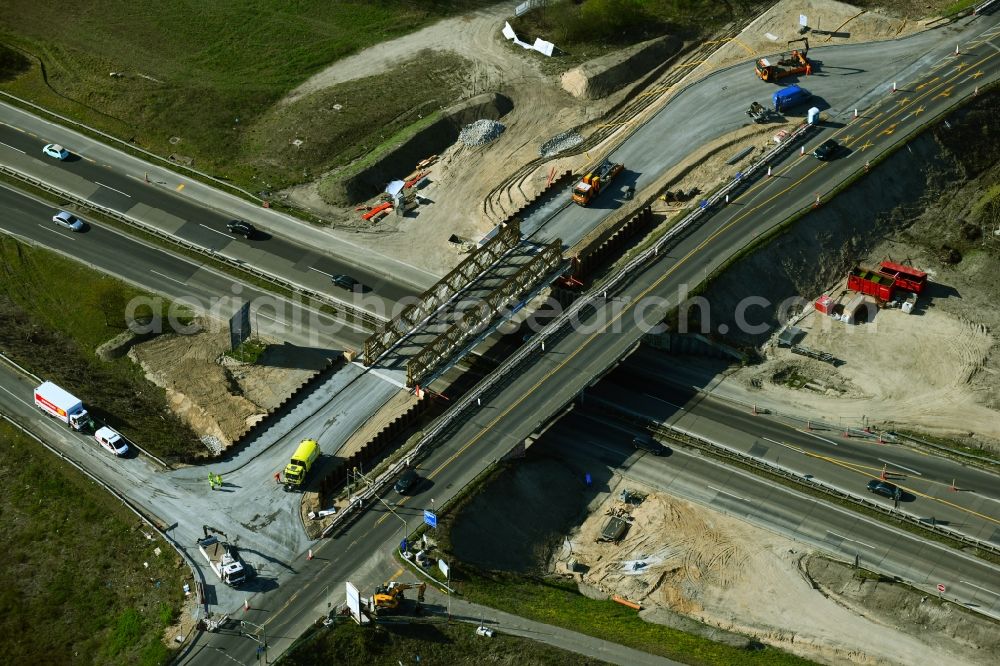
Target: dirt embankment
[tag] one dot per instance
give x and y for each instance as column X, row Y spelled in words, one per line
column 602, row 76
column 217, row 396
column 704, row 572
column 681, row 558
column 398, row 163
column 928, row 206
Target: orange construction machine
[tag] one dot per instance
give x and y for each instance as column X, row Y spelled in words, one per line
column 787, row 64
column 595, row 181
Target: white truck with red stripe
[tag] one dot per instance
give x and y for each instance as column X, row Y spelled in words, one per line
column 61, row 404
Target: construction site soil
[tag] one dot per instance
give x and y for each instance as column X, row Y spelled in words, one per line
column 932, row 205
column 462, row 176
column 703, row 572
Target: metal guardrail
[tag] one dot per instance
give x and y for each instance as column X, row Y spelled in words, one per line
column 349, row 310
column 130, row 146
column 556, row 327
column 810, row 482
column 196, row 573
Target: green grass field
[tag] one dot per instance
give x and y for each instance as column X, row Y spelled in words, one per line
column 55, row 338
column 440, row 643
column 73, row 588
column 203, row 72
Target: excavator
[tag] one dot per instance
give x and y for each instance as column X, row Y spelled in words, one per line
column 788, row 64
column 387, row 597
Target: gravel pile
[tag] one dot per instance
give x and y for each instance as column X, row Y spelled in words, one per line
column 559, row 143
column 480, row 132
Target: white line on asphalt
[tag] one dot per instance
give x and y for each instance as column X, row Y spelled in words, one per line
column 719, row 490
column 663, row 401
column 841, row 536
column 108, row 187
column 280, row 322
column 13, row 148
column 167, row 277
column 889, row 462
column 56, row 231
column 961, row 581
column 15, row 396
column 319, row 271
column 811, row 434
column 381, row 376
column 211, row 229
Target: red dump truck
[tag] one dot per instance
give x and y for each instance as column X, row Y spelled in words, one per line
column 906, row 278
column 871, row 283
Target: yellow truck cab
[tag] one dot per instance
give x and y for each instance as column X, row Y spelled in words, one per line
column 300, row 464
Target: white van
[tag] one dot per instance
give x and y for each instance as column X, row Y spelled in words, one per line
column 111, row 440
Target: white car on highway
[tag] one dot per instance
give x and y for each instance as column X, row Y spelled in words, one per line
column 68, row 220
column 111, row 440
column 55, row 151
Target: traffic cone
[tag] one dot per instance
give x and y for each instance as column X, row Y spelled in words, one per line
column 855, row 114
column 755, row 409
column 882, row 475
column 768, row 172
column 953, row 487
column 808, row 426
column 246, row 604
column 816, row 203
column 957, row 52
column 894, row 89
column 802, row 151
column 309, row 556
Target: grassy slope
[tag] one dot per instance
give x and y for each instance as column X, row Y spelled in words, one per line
column 56, row 340
column 73, row 589
column 350, row 645
column 213, row 63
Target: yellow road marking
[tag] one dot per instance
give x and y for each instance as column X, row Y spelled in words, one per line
column 747, row 48
column 634, row 302
column 180, row 187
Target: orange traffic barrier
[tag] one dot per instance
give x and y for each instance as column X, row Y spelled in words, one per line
column 625, row 602
column 375, row 211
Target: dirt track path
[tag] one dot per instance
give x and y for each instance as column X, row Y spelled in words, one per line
column 474, row 35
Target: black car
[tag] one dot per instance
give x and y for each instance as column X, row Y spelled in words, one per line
column 827, row 150
column 240, row 228
column 345, row 282
column 885, row 489
column 406, row 482
column 647, row 443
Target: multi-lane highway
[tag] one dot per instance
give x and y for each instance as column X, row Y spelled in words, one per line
column 183, row 207
column 179, row 278
column 847, row 464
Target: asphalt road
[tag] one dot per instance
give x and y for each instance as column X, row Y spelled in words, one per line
column 294, row 591
column 292, row 249
column 594, row 446
column 846, row 77
column 174, row 276
column 848, row 464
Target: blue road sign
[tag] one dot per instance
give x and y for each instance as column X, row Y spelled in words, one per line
column 430, row 518
column 704, row 203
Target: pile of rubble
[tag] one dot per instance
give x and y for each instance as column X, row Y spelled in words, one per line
column 480, row 132
column 560, row 142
